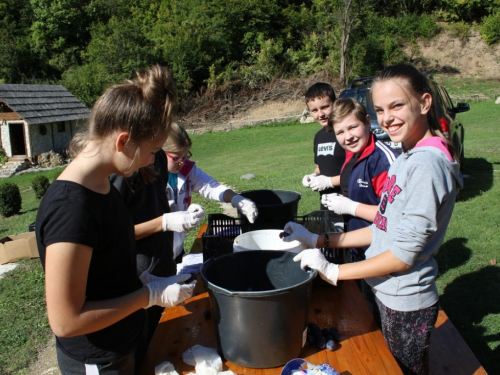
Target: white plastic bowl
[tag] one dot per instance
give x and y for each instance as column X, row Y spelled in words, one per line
column 267, row 239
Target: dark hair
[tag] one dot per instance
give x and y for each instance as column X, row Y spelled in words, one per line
column 417, row 84
column 320, row 90
column 143, row 107
column 343, row 107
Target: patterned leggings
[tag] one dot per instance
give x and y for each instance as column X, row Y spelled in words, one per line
column 407, row 334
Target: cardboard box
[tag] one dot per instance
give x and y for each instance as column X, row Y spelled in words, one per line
column 13, row 248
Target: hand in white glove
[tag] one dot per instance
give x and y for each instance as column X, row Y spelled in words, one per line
column 166, row 291
column 301, row 234
column 182, row 221
column 306, row 180
column 198, row 211
column 246, row 207
column 339, row 204
column 320, row 183
column 314, row 258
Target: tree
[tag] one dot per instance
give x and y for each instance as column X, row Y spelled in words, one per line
column 59, row 31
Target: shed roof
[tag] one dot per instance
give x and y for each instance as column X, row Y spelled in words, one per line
column 41, row 104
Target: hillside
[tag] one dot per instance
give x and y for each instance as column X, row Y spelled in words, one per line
column 445, row 55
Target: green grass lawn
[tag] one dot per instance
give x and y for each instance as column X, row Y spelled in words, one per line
column 279, row 155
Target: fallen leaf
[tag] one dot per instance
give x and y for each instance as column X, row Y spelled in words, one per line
column 493, row 261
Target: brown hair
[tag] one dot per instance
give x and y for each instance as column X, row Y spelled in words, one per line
column 417, row 84
column 143, row 107
column 177, row 139
column 343, row 107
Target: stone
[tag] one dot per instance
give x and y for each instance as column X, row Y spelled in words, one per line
column 50, row 159
column 306, row 117
column 497, row 101
column 247, row 176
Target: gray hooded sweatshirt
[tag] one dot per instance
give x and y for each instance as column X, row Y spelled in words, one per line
column 414, row 211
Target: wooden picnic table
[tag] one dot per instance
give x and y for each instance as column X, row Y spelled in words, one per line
column 362, row 349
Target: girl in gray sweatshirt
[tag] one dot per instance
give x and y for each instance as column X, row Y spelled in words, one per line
column 415, row 208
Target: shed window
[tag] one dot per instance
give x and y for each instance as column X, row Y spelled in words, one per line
column 61, row 127
column 43, row 129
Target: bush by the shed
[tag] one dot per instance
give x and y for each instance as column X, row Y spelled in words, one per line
column 40, row 184
column 10, row 199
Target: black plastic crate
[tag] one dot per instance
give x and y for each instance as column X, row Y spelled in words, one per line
column 222, row 230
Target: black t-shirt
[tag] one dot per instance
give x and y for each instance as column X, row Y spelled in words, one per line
column 328, row 155
column 146, row 202
column 72, row 213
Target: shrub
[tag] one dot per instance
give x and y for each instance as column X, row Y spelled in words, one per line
column 40, row 184
column 10, row 199
column 3, row 156
column 490, row 29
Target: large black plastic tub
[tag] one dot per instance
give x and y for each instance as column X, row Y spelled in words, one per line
column 260, row 304
column 276, row 207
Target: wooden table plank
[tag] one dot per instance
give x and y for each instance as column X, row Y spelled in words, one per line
column 449, row 353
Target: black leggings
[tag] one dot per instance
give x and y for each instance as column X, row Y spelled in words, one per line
column 408, row 334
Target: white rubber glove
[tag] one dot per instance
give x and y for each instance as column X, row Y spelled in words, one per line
column 246, row 207
column 182, row 221
column 320, row 183
column 340, row 204
column 306, row 180
column 314, row 258
column 301, row 234
column 167, row 292
column 198, row 211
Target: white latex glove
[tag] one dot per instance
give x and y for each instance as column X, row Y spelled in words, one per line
column 314, row 258
column 320, row 183
column 339, row 204
column 166, row 292
column 246, row 207
column 197, row 210
column 301, row 234
column 182, row 221
column 306, row 180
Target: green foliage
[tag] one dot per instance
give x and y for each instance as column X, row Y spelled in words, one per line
column 40, row 184
column 214, row 45
column 490, row 29
column 467, row 11
column 10, row 199
column 459, row 30
column 263, row 68
column 3, row 156
column 59, row 31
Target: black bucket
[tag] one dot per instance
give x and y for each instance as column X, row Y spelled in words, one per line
column 260, row 304
column 276, row 207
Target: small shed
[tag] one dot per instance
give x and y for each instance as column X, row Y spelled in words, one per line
column 35, row 119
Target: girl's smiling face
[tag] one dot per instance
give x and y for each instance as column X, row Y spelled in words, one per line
column 352, row 133
column 402, row 114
